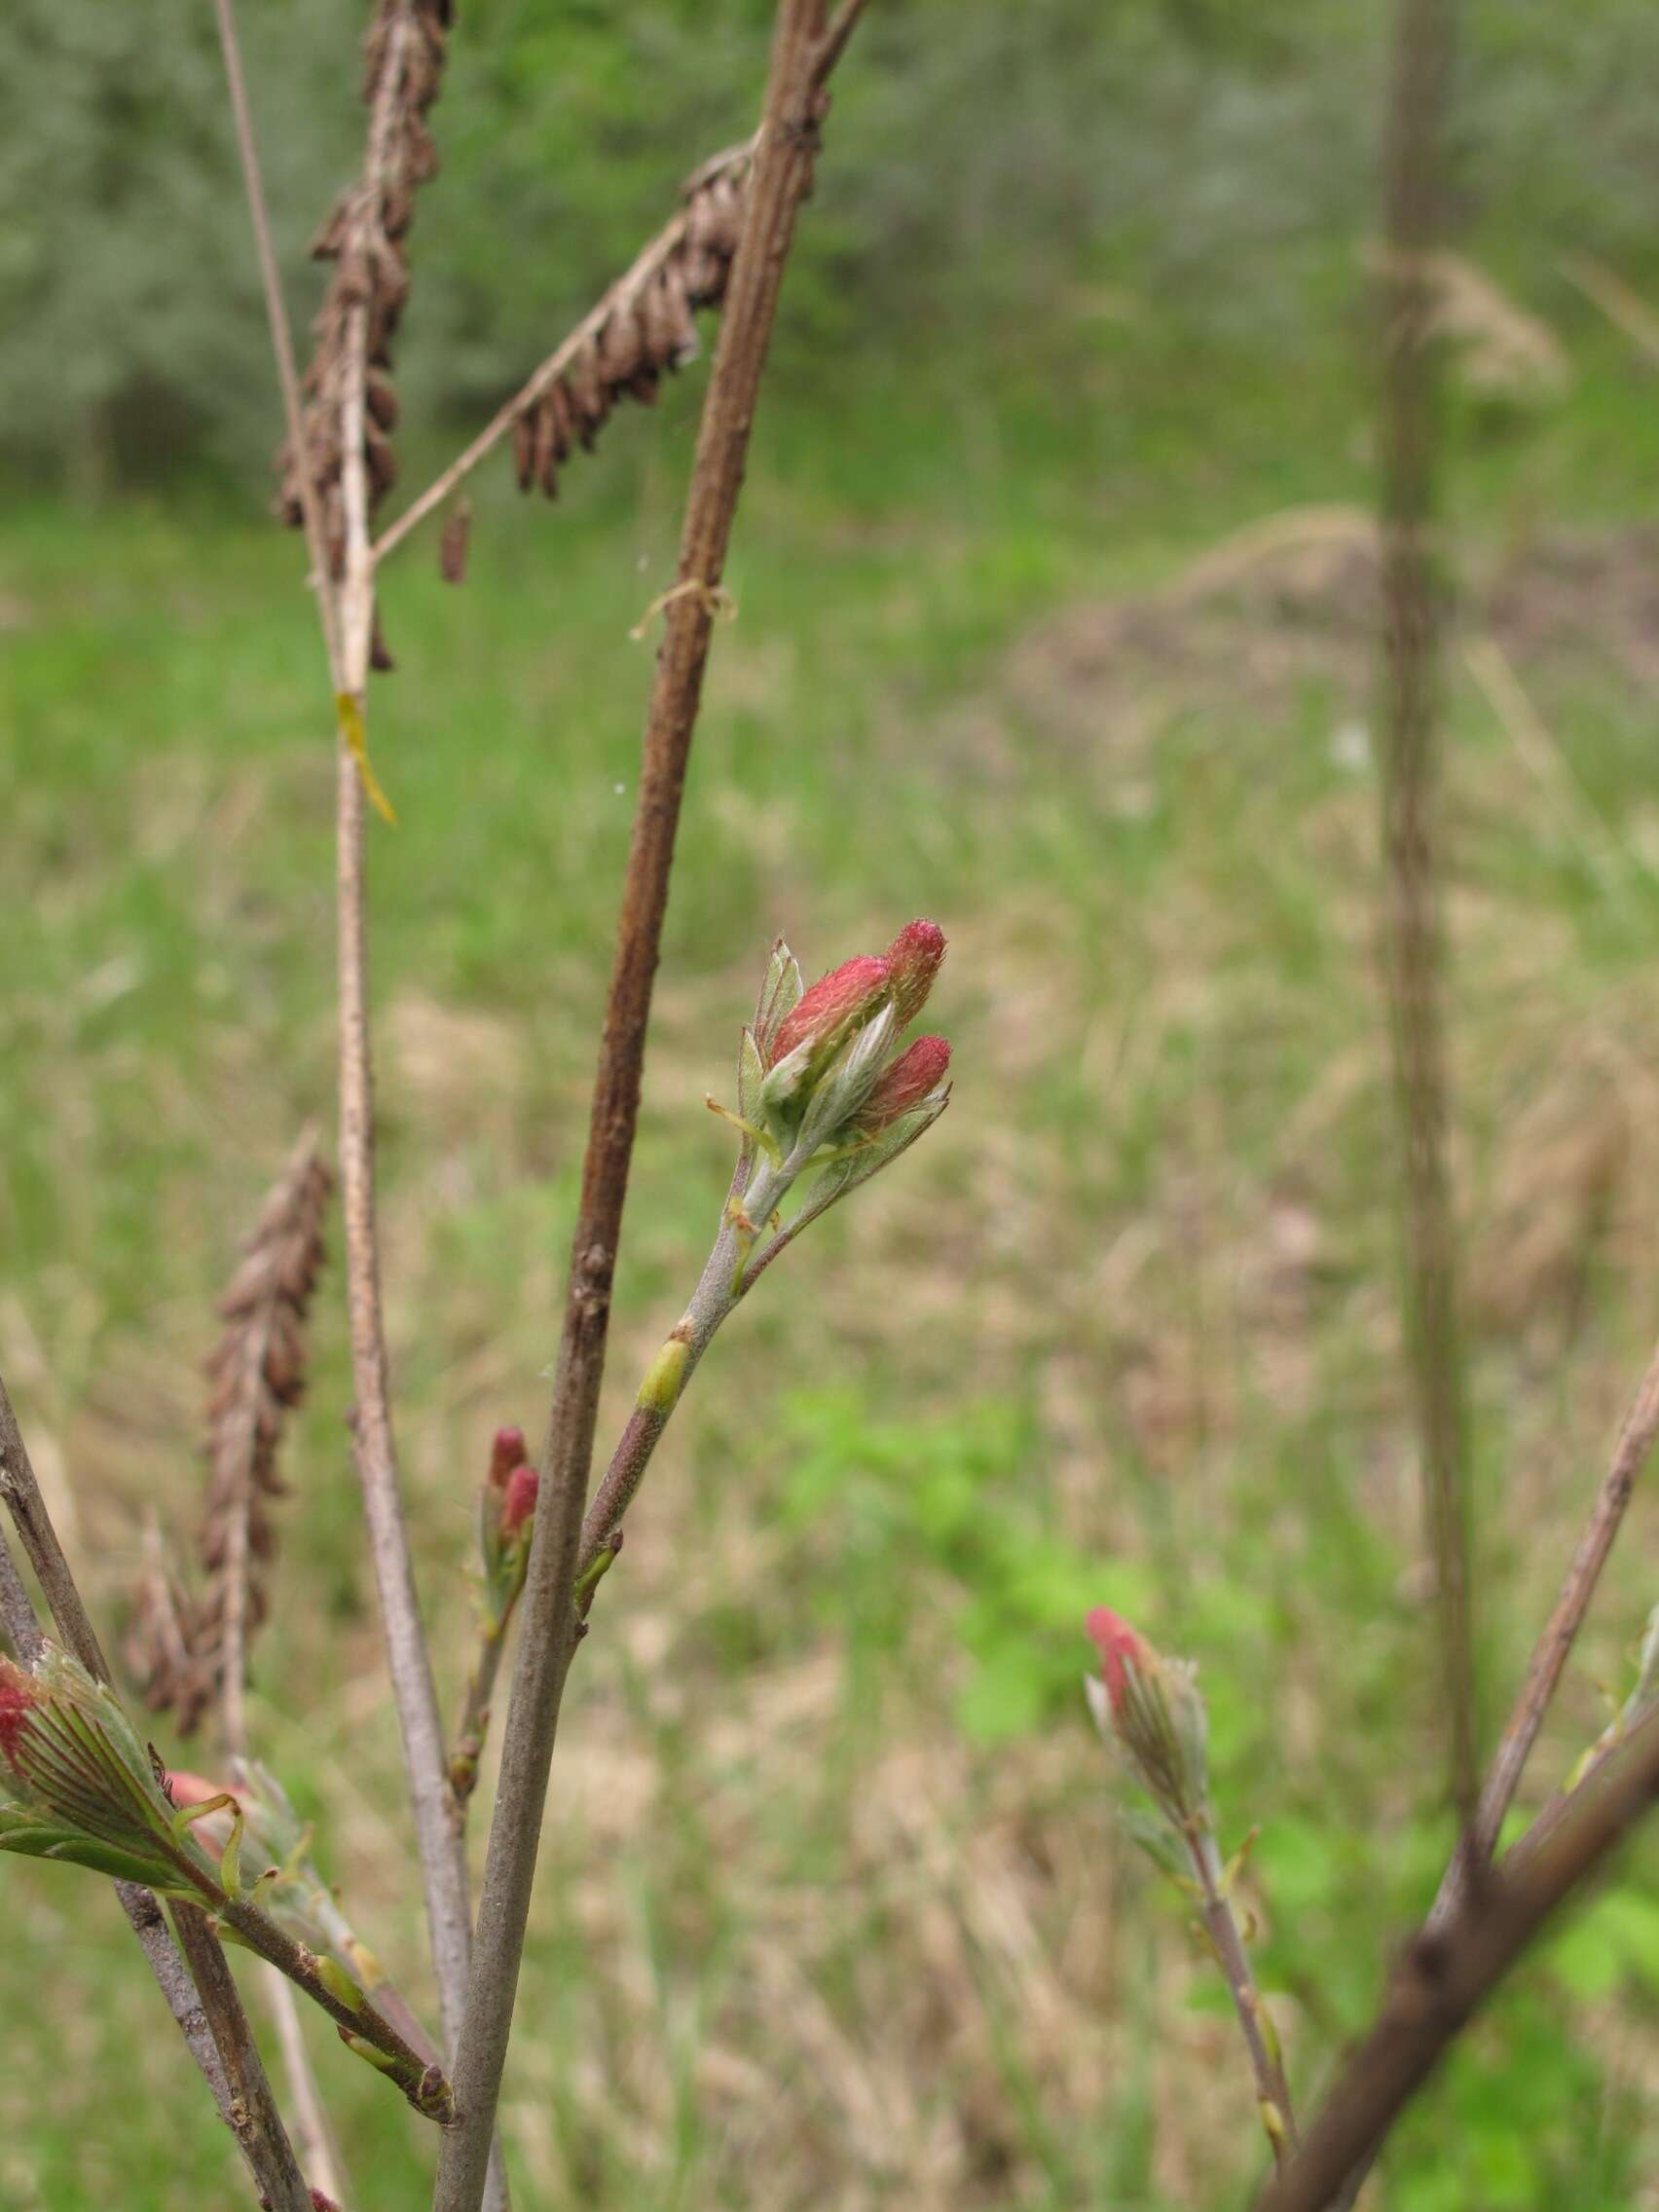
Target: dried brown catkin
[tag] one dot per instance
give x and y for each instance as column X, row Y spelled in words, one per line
column 256, row 1375
column 364, row 239
column 645, row 327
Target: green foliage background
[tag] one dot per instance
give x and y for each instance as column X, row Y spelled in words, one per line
column 833, row 1907
column 994, row 165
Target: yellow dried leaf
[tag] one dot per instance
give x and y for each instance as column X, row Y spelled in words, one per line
column 355, row 741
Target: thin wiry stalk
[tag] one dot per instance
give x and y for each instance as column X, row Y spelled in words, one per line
column 202, row 1998
column 321, row 2153
column 1550, row 1653
column 832, row 45
column 782, row 172
column 1446, row 1978
column 281, row 338
column 655, row 261
column 257, row 2122
column 16, row 1610
column 1261, row 2038
column 441, row 1846
column 1411, row 930
column 440, row 1843
column 257, row 1370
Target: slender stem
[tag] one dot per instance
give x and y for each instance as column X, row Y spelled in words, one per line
column 348, row 631
column 1445, row 1977
column 39, row 1538
column 473, row 1725
column 210, row 2017
column 172, row 1977
column 1411, row 929
column 1261, row 2038
column 782, row 171
column 17, row 1609
column 411, row 2068
column 255, row 2121
column 720, row 1289
column 281, row 338
column 319, row 2149
column 17, row 1485
column 645, row 265
column 1550, row 1653
column 442, row 1851
column 832, row 45
column 321, row 2156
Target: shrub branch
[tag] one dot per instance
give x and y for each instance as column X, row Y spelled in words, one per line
column 1554, row 1642
column 782, row 173
column 1446, row 1976
column 347, row 627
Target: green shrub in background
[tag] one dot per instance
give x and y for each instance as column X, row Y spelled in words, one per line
column 1007, row 182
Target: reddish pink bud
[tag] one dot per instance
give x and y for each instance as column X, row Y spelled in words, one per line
column 913, row 960
column 187, row 1789
column 507, row 1452
column 912, row 1076
column 829, row 1011
column 1120, row 1646
column 19, row 1698
column 322, row 2204
column 520, row 1502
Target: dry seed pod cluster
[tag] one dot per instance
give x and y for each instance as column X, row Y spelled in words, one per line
column 179, row 1651
column 453, row 543
column 365, row 240
column 256, row 1375
column 161, row 1645
column 644, row 327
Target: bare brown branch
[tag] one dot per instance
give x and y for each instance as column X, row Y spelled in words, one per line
column 1445, row 1977
column 1555, row 1643
column 833, row 44
column 782, row 172
column 336, row 461
column 255, row 2121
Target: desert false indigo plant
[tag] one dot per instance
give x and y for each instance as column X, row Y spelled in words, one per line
column 827, row 1102
column 1149, row 1708
column 506, row 1510
column 77, row 1784
column 827, row 1095
column 822, row 1093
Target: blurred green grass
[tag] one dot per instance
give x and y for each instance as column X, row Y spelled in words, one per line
column 832, row 1907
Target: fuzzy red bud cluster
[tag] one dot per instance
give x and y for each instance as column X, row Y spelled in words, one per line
column 506, row 1508
column 1151, row 1708
column 76, row 1784
column 518, row 1505
column 18, row 1699
column 828, row 1050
